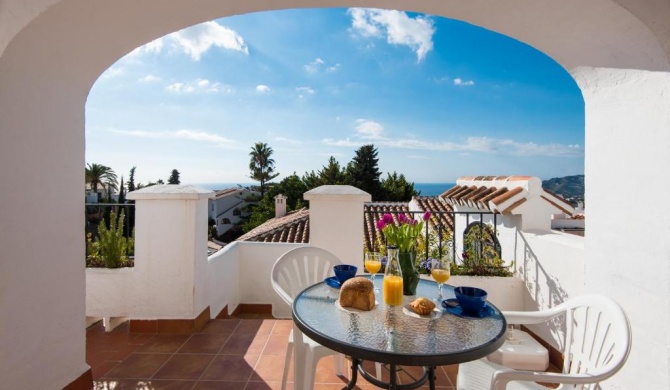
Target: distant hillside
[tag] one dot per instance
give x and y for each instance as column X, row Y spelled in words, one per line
column 569, row 187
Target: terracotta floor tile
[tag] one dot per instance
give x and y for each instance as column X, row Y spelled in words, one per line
column 95, row 359
column 184, row 366
column 452, row 373
column 204, row 343
column 219, row 385
column 276, row 345
column 283, row 327
column 244, row 344
column 221, row 326
column 268, row 368
column 135, row 384
column 257, row 326
column 234, row 368
column 267, row 386
column 163, row 343
column 99, row 370
column 325, row 372
column 138, row 365
column 154, row 384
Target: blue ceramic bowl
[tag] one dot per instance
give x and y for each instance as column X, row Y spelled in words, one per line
column 471, row 299
column 344, row 272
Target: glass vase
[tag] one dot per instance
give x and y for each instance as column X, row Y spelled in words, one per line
column 410, row 276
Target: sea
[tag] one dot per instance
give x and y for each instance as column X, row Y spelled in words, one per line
column 425, row 189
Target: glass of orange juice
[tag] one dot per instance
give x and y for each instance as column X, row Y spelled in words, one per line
column 392, row 290
column 373, row 263
column 440, row 270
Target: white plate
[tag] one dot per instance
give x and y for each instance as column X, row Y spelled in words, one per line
column 351, row 309
column 436, row 313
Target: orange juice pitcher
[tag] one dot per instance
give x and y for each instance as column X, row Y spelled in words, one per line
column 392, row 278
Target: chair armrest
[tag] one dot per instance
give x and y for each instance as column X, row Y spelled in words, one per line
column 526, row 318
column 501, row 378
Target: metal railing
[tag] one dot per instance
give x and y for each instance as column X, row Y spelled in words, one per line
column 438, row 231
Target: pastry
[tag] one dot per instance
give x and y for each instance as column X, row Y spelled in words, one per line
column 358, row 293
column 422, row 306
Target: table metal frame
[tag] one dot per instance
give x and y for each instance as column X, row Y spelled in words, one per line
column 360, row 353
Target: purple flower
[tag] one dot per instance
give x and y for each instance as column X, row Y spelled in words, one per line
column 402, row 218
column 388, row 219
column 383, row 260
column 426, row 216
column 381, row 224
column 413, row 222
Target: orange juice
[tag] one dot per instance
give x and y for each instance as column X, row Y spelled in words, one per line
column 373, row 266
column 393, row 290
column 440, row 275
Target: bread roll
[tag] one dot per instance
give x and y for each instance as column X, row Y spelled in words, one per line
column 358, row 293
column 422, row 306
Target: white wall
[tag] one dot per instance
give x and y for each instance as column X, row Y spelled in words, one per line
column 52, row 51
column 627, row 247
column 169, row 279
column 336, row 221
column 241, row 273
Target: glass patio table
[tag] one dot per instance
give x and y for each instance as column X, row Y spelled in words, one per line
column 393, row 334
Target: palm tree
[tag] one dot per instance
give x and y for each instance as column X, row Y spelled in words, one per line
column 100, row 174
column 261, row 165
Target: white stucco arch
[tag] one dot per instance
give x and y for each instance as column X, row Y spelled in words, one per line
column 51, row 53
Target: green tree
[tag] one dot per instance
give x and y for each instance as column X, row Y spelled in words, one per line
column 122, row 195
column 311, row 180
column 397, row 188
column 262, row 166
column 363, row 172
column 174, row 177
column 97, row 174
column 292, row 187
column 332, row 173
column 131, row 180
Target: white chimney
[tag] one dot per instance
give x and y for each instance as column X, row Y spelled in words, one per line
column 280, row 206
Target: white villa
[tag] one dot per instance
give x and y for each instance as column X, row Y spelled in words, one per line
column 52, row 52
column 226, row 207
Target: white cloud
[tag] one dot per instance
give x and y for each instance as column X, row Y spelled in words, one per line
column 471, row 144
column 318, row 64
column 194, row 41
column 187, row 134
column 396, row 27
column 113, row 71
column 149, row 79
column 314, row 66
column 305, row 90
column 461, row 82
column 198, row 39
column 262, row 88
column 290, row 141
column 199, row 85
column 369, row 129
column 152, row 47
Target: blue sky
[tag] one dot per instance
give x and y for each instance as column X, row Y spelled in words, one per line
column 439, row 98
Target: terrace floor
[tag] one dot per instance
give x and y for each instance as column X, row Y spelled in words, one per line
column 234, row 353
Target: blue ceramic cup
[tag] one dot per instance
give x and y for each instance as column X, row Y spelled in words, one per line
column 344, row 272
column 471, row 299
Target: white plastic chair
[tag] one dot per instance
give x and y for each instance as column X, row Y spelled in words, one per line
column 294, row 271
column 597, row 344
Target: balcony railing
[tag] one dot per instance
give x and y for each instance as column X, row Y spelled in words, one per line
column 474, row 240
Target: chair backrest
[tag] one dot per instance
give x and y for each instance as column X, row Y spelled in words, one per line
column 300, row 268
column 597, row 340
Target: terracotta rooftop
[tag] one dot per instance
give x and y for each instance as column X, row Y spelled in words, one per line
column 291, row 228
column 501, row 194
